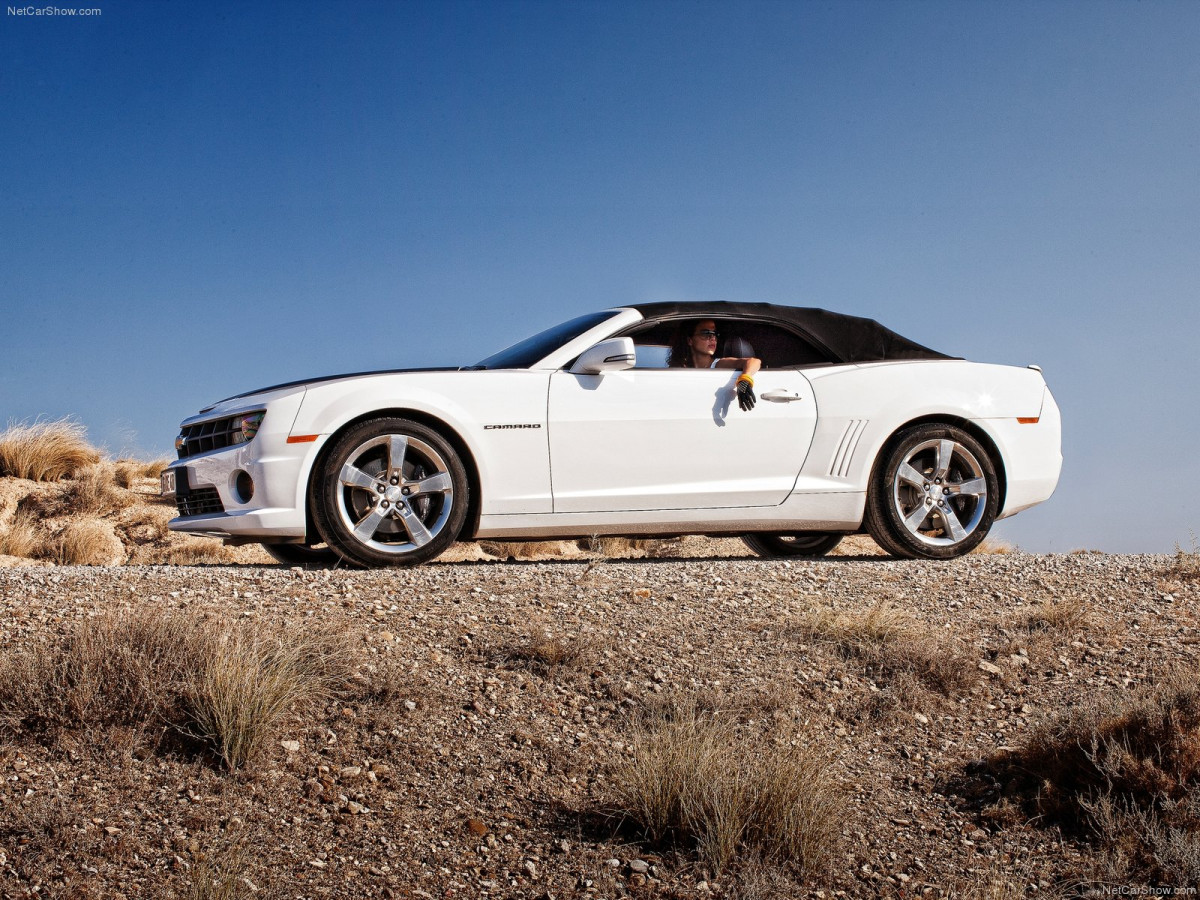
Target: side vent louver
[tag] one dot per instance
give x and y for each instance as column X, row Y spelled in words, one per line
column 839, row 466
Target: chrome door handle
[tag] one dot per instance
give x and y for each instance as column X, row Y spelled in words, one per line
column 781, row 396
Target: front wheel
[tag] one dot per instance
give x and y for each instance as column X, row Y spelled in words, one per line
column 390, row 492
column 934, row 494
column 804, row 543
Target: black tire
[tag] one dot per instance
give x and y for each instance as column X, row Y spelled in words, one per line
column 390, row 492
column 302, row 555
column 934, row 494
column 802, row 543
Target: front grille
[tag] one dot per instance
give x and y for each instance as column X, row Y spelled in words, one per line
column 211, row 435
column 199, row 502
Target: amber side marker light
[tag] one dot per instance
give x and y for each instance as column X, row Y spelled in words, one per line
column 309, row 438
column 1024, row 420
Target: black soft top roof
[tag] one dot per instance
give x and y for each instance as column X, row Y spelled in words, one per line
column 847, row 338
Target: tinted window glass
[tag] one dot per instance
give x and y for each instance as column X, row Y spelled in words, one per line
column 524, row 354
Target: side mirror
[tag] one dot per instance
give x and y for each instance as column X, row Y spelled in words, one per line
column 612, row 355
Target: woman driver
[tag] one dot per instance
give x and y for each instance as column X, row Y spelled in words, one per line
column 695, row 347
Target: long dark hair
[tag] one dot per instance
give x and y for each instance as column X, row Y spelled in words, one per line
column 681, row 347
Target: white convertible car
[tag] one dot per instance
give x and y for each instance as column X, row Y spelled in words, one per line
column 584, row 430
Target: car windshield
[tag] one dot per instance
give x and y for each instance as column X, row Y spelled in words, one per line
column 524, row 354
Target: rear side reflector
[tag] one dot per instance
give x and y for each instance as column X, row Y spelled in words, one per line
column 309, row 438
column 1024, row 420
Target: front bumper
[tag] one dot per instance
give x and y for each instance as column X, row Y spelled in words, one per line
column 210, row 488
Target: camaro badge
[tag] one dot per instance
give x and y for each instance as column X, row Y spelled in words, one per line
column 493, row 427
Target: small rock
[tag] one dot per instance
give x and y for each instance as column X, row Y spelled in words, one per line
column 477, row 827
column 990, row 668
column 640, row 866
column 530, row 868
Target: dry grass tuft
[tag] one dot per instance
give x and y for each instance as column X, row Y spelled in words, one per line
column 1124, row 768
column 86, row 542
column 619, row 547
column 22, row 538
column 229, row 688
column 95, row 491
column 692, row 777
column 890, row 643
column 128, row 472
column 220, row 875
column 1185, row 565
column 525, row 549
column 252, row 681
column 1068, row 616
column 197, row 551
column 45, row 451
column 994, row 547
column 546, row 652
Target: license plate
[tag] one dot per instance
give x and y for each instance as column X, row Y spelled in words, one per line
column 167, row 484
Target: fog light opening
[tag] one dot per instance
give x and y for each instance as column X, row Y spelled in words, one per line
column 243, row 486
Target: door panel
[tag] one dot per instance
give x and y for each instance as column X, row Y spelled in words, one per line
column 675, row 439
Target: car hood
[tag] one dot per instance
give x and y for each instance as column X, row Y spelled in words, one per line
column 309, row 382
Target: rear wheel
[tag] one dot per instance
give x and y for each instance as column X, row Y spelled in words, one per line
column 390, row 492
column 803, row 543
column 934, row 495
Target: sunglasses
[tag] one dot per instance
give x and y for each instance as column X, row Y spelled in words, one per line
column 706, row 334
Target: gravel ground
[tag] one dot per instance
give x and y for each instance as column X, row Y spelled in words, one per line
column 478, row 765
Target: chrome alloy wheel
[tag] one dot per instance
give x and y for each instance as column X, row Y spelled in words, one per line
column 940, row 492
column 396, row 493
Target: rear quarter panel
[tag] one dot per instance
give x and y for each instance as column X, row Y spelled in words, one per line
column 860, row 407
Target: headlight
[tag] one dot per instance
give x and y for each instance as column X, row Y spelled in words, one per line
column 245, row 427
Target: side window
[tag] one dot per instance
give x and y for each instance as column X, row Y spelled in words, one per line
column 652, row 343
column 777, row 347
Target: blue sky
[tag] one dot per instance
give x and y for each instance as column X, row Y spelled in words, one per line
column 200, row 198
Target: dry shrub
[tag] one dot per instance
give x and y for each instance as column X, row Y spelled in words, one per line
column 1165, row 846
column 45, row 451
column 116, row 668
column 86, row 542
column 692, row 777
column 22, row 538
column 891, row 644
column 227, row 687
column 95, row 491
column 1124, row 768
